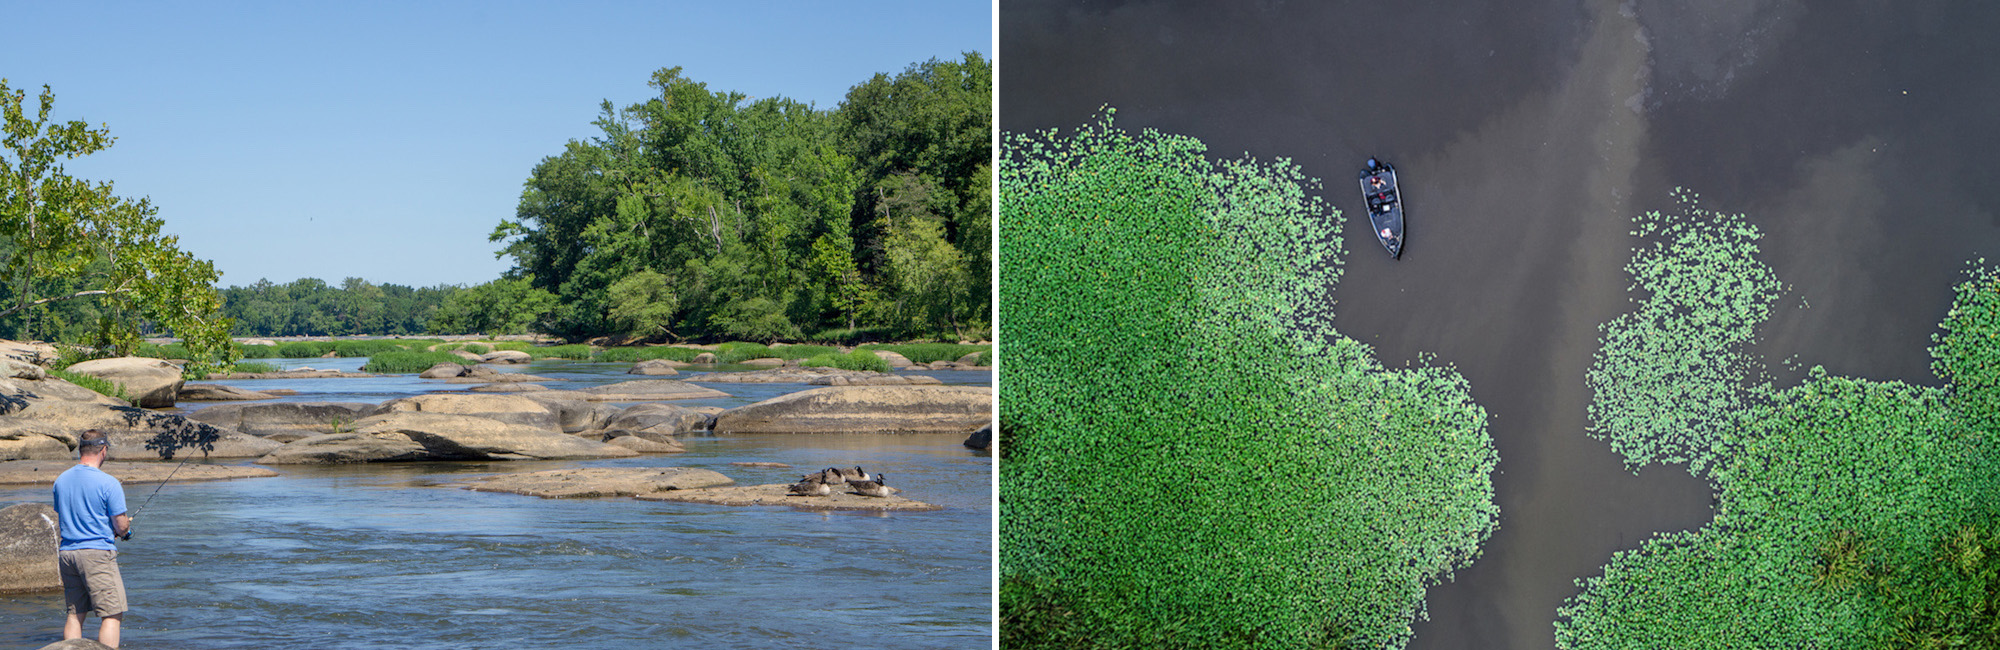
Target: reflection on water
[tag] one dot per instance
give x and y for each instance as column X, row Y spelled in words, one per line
column 371, row 556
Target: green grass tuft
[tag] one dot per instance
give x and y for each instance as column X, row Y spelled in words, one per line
column 99, row 384
column 252, row 366
column 576, row 351
column 856, row 360
column 632, row 355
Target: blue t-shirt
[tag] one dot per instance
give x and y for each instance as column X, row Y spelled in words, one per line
column 86, row 500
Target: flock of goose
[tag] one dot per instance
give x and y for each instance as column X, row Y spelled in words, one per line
column 821, row 483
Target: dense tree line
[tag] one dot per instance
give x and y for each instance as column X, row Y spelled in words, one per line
column 311, row 307
column 702, row 214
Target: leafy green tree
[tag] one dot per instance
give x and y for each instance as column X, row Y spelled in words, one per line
column 503, row 306
column 643, row 305
column 72, row 239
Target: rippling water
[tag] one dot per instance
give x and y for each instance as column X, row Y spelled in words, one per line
column 371, row 556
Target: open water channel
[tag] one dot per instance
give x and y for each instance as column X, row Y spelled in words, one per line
column 374, row 556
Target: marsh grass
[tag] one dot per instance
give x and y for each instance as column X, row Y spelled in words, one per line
column 252, row 366
column 407, row 361
column 577, row 351
column 929, row 352
column 631, row 355
column 856, row 360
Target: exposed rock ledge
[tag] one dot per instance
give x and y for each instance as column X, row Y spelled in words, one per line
column 600, row 482
column 44, row 472
column 774, row 494
column 819, row 376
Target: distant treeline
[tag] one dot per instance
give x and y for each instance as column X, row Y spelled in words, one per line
column 704, row 215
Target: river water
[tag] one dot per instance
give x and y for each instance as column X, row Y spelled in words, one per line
column 372, row 556
column 1858, row 134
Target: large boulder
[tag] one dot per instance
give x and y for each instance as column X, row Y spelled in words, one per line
column 152, row 383
column 505, row 408
column 24, row 439
column 601, row 481
column 28, row 541
column 140, row 434
column 468, row 356
column 981, row 439
column 13, row 369
column 443, row 370
column 286, row 421
column 865, row 409
column 32, row 352
column 220, row 393
column 574, row 412
column 650, row 390
column 705, row 358
column 653, row 367
column 895, row 360
column 413, row 436
column 506, row 356
column 78, row 643
column 970, row 360
column 657, row 422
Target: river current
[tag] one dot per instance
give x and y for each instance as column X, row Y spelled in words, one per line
column 380, row 555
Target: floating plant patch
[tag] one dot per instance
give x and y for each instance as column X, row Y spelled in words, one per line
column 1191, row 455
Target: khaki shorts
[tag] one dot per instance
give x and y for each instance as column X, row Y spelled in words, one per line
column 91, row 583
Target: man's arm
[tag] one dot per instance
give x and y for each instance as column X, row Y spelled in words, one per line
column 121, row 526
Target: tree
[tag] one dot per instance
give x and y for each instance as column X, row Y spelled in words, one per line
column 72, row 239
column 643, row 305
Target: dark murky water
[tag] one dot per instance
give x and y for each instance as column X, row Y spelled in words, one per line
column 1527, row 134
column 371, row 556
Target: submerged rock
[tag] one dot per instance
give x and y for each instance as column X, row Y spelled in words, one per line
column 776, row 494
column 601, row 482
column 28, row 541
column 865, row 409
column 646, row 445
column 981, row 439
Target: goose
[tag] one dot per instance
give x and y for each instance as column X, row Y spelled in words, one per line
column 810, row 486
column 830, row 475
column 856, row 474
column 875, row 488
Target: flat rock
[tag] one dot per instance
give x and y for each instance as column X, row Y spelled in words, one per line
column 508, row 388
column 865, row 409
column 650, row 390
column 657, row 421
column 442, row 370
column 771, row 362
column 416, row 436
column 877, row 379
column 760, row 464
column 654, row 367
column 788, row 375
column 220, row 393
column 28, row 541
column 76, row 643
column 24, row 439
column 15, row 394
column 152, row 383
column 505, row 408
column 44, row 472
column 506, row 356
column 646, row 445
column 140, row 434
column 601, row 482
column 499, row 378
column 286, row 421
column 774, row 494
column 895, row 360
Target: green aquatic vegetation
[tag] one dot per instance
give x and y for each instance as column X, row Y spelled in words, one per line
column 258, row 351
column 1849, row 513
column 1192, row 457
column 856, row 360
column 1673, row 373
column 252, row 366
column 574, row 351
column 740, row 351
column 630, row 355
column 929, row 352
column 408, row 361
column 802, row 351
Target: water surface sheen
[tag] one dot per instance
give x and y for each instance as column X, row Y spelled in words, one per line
column 372, row 556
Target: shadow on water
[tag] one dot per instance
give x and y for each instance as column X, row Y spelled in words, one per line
column 1528, row 135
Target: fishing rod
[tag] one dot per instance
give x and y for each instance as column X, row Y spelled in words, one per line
column 149, row 498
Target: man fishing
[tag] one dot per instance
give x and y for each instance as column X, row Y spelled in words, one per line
column 90, row 505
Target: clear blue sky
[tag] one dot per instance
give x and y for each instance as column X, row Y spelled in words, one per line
column 384, row 140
